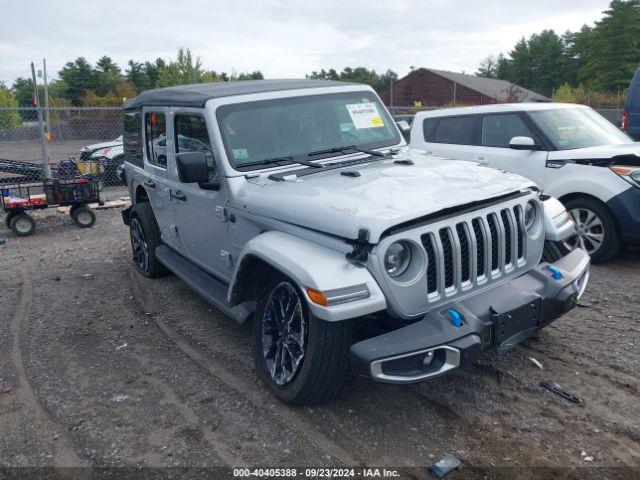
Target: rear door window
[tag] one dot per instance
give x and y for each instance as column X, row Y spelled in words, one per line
column 456, row 130
column 131, row 138
column 498, row 130
column 155, row 124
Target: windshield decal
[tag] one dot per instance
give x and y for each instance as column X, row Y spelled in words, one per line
column 364, row 115
column 240, row 153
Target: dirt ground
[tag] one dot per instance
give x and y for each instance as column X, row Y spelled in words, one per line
column 100, row 367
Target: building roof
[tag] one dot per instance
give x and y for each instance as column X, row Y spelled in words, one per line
column 196, row 95
column 491, row 87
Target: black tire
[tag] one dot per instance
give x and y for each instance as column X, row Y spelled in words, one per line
column 142, row 218
column 83, row 216
column 322, row 371
column 8, row 217
column 22, row 225
column 552, row 252
column 610, row 244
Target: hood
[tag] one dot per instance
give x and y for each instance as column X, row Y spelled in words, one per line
column 626, row 152
column 384, row 195
column 96, row 146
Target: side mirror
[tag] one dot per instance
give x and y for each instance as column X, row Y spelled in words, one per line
column 405, row 128
column 523, row 143
column 192, row 167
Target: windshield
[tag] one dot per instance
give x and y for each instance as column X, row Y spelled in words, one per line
column 296, row 126
column 570, row 128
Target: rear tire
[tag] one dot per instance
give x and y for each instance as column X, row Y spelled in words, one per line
column 22, row 225
column 83, row 216
column 597, row 230
column 145, row 238
column 321, row 372
column 552, row 252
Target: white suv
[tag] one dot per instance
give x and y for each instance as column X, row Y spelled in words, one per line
column 570, row 151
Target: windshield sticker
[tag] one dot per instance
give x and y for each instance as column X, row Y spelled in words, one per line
column 240, row 153
column 365, row 115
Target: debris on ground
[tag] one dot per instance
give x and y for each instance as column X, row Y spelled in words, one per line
column 2, row 240
column 446, row 465
column 536, row 363
column 4, row 390
column 119, row 398
column 584, row 304
column 87, row 275
column 558, row 390
column 120, row 347
column 586, row 457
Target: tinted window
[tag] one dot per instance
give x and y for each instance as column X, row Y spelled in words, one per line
column 156, row 137
column 498, row 130
column 456, row 130
column 192, row 136
column 131, row 138
column 429, row 128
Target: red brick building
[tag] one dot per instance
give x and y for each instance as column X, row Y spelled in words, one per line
column 437, row 88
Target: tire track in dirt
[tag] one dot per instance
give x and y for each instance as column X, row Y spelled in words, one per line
column 42, row 423
column 290, row 418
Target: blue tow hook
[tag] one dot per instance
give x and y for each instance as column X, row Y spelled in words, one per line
column 456, row 318
column 556, row 274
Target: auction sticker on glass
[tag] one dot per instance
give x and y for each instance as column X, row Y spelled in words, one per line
column 365, row 115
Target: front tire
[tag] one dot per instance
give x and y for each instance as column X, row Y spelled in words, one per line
column 22, row 225
column 145, row 237
column 597, row 231
column 301, row 359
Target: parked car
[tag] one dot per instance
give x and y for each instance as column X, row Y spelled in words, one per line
column 314, row 218
column 110, row 156
column 570, row 151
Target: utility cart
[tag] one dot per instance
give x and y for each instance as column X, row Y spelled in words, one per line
column 19, row 198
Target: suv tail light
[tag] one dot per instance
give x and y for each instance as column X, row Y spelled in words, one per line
column 625, row 120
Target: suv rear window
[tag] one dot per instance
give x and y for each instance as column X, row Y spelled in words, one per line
column 456, row 130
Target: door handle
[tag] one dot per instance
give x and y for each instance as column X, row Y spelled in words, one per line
column 150, row 183
column 178, row 195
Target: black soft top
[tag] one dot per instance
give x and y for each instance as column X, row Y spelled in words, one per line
column 197, row 94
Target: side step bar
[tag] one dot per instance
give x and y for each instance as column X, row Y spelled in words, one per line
column 209, row 287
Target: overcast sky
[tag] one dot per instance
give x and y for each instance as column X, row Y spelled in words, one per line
column 282, row 38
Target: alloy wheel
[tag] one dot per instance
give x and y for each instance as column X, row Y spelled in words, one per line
column 284, row 333
column 139, row 245
column 589, row 231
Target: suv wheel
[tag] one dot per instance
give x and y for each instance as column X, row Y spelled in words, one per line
column 145, row 237
column 597, row 232
column 301, row 359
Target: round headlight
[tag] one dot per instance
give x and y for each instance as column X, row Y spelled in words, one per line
column 397, row 258
column 530, row 214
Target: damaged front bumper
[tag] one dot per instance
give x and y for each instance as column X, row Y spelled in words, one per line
column 456, row 334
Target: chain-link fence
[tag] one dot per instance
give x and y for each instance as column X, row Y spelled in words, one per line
column 91, row 137
column 75, row 138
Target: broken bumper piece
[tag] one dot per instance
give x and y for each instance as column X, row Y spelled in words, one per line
column 457, row 333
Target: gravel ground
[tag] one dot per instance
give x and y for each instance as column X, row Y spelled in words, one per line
column 100, row 367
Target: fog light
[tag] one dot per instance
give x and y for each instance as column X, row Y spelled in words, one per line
column 428, row 358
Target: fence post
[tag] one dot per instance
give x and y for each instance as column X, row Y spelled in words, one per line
column 46, row 96
column 43, row 140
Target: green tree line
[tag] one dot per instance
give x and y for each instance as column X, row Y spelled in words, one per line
column 81, row 84
column 593, row 64
column 358, row 75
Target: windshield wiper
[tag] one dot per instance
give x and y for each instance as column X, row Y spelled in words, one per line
column 344, row 150
column 277, row 160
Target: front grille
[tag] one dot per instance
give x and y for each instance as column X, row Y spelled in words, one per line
column 472, row 250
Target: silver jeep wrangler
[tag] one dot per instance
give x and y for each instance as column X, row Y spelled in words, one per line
column 296, row 204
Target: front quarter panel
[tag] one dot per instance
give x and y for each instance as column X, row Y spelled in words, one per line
column 311, row 265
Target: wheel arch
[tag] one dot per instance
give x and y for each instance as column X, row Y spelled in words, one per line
column 141, row 195
column 308, row 265
column 578, row 195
